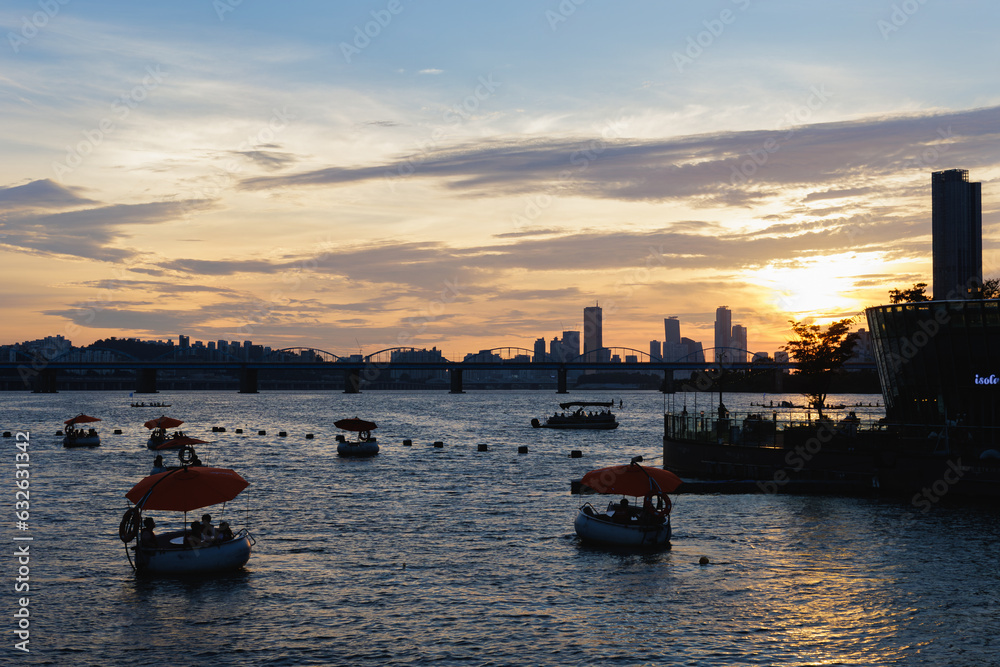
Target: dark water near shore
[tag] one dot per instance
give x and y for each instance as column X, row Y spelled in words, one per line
column 457, row 557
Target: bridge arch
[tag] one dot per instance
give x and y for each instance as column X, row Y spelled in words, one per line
column 609, row 353
column 730, row 355
column 507, row 353
column 390, row 354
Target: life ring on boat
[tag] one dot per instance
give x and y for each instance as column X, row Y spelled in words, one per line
column 663, row 505
column 128, row 529
column 186, row 454
column 363, row 436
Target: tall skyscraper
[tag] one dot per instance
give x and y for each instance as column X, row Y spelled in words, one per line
column 723, row 331
column 655, row 350
column 593, row 328
column 957, row 234
column 672, row 330
column 738, row 341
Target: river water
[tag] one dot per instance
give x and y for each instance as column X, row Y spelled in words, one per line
column 454, row 556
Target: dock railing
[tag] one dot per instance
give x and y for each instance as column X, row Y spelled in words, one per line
column 756, row 429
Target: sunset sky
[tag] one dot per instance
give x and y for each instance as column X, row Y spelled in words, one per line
column 354, row 176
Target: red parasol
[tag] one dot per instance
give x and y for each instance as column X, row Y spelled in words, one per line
column 82, row 419
column 163, row 422
column 631, row 480
column 176, row 443
column 355, row 424
column 187, row 489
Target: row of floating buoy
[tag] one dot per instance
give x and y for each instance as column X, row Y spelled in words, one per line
column 482, row 447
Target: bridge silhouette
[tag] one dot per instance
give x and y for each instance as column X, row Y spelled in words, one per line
column 41, row 374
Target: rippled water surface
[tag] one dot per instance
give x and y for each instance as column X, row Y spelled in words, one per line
column 458, row 557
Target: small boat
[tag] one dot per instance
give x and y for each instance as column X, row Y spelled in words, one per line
column 626, row 524
column 81, row 437
column 365, row 445
column 151, row 405
column 161, row 438
column 182, row 490
column 580, row 418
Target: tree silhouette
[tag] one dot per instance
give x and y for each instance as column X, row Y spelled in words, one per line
column 820, row 354
column 912, row 295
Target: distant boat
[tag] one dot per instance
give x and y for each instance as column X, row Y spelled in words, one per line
column 578, row 418
column 81, row 437
column 365, row 445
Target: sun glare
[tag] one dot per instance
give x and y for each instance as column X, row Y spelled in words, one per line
column 821, row 289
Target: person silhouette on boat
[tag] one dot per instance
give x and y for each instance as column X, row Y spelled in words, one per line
column 207, row 529
column 194, row 539
column 650, row 514
column 225, row 533
column 146, row 536
column 622, row 512
column 158, row 461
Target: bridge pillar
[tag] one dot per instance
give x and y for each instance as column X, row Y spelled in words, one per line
column 352, row 381
column 248, row 380
column 145, row 381
column 779, row 381
column 668, row 383
column 44, row 382
column 456, row 380
column 561, row 379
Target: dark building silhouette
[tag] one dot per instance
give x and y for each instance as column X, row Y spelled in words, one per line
column 957, row 228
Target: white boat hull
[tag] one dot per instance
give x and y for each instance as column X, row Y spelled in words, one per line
column 357, row 448
column 222, row 557
column 597, row 530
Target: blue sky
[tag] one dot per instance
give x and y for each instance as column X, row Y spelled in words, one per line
column 472, row 174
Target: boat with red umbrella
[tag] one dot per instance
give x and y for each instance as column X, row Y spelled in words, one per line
column 159, row 435
column 365, row 445
column 75, row 436
column 184, row 489
column 623, row 523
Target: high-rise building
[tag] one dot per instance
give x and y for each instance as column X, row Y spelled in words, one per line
column 672, row 329
column 738, row 343
column 654, row 349
column 695, row 351
column 723, row 332
column 539, row 350
column 957, row 234
column 571, row 344
column 593, row 329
